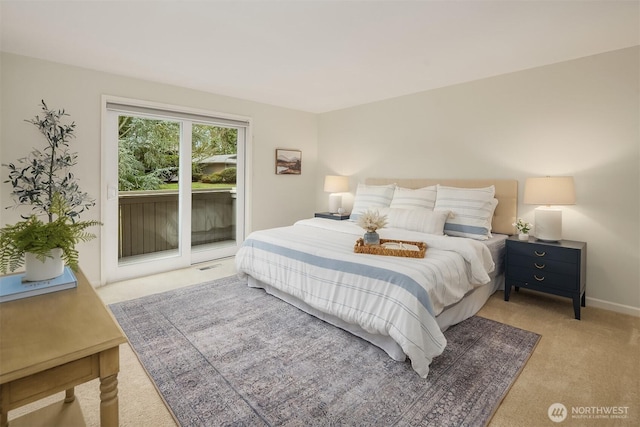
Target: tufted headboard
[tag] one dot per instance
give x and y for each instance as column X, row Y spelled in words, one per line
column 506, row 193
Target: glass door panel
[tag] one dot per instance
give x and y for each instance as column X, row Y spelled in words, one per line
column 213, row 195
column 148, row 195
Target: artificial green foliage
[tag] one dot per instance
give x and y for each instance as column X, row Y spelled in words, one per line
column 38, row 237
column 44, row 183
column 43, row 173
column 522, row 226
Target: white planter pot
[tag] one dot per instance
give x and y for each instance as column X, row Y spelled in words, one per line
column 523, row 236
column 37, row 270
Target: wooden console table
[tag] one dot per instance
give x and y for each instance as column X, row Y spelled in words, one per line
column 54, row 342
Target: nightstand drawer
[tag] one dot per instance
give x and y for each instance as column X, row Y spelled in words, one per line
column 542, row 264
column 545, row 252
column 568, row 282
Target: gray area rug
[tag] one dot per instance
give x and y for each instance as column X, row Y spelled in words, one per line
column 222, row 353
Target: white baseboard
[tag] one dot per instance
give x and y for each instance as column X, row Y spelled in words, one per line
column 612, row 306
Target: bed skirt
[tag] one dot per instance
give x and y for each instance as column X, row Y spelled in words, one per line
column 451, row 315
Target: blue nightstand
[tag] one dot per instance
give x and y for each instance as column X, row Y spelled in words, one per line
column 557, row 268
column 336, row 216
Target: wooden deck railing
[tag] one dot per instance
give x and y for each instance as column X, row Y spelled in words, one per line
column 149, row 219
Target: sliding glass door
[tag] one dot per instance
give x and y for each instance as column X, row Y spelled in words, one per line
column 175, row 188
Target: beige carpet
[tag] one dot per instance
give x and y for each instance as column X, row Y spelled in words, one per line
column 594, row 362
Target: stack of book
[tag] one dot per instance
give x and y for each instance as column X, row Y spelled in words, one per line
column 14, row 287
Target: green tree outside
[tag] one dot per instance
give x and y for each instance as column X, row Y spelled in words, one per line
column 148, row 153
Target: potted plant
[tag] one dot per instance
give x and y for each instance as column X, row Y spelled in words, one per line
column 44, row 182
column 523, row 228
column 371, row 220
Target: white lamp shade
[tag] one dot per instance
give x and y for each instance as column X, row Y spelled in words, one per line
column 336, row 184
column 550, row 190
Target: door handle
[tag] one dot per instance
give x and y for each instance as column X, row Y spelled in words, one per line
column 112, row 192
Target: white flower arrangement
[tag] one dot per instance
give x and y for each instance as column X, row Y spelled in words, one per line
column 371, row 220
column 522, row 226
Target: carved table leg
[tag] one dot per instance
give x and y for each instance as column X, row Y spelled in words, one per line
column 109, row 367
column 109, row 401
column 70, row 395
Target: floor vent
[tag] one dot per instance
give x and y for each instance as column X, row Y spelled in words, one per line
column 208, row 267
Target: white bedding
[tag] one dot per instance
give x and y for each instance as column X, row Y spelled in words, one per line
column 313, row 261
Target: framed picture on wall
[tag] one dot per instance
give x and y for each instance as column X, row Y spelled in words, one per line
column 288, row 162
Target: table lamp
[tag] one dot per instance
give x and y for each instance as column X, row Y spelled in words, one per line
column 549, row 192
column 335, row 184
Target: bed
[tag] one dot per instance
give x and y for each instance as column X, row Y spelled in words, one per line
column 402, row 305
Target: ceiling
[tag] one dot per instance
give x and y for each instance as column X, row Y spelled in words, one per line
column 315, row 56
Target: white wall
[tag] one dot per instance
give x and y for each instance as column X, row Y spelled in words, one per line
column 579, row 118
column 275, row 200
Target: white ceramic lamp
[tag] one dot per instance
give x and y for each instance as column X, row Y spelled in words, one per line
column 335, row 185
column 549, row 192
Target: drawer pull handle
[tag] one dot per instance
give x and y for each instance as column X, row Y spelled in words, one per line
column 539, row 253
column 539, row 279
column 538, row 266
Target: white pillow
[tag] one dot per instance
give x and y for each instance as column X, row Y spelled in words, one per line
column 407, row 198
column 371, row 196
column 418, row 219
column 471, row 208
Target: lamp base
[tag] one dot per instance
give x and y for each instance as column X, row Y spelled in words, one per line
column 548, row 223
column 335, row 202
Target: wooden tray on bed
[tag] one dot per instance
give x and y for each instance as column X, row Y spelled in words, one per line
column 361, row 248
